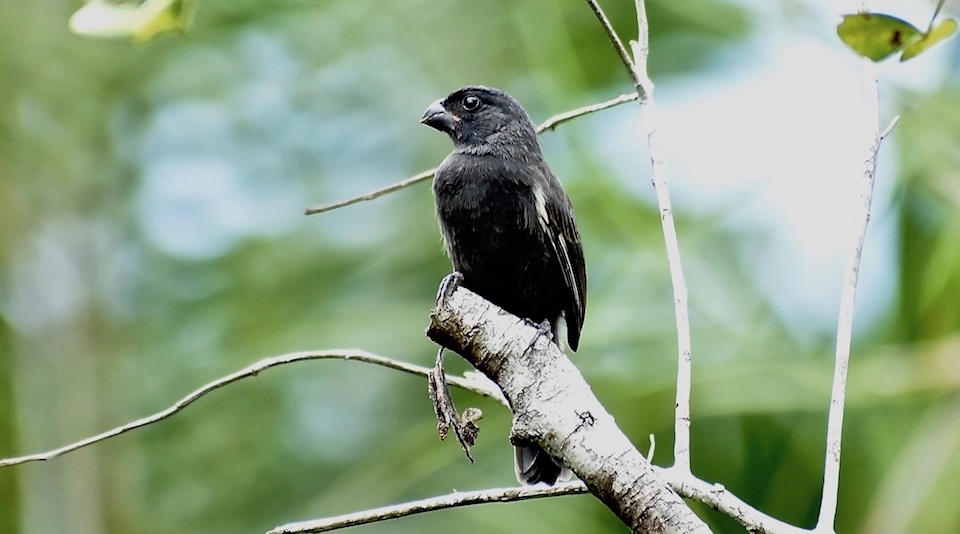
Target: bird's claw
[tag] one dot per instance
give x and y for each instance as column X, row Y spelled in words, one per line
column 544, row 328
column 448, row 286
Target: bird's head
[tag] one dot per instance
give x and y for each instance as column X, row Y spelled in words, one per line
column 480, row 116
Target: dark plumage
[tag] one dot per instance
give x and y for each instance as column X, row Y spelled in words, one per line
column 508, row 225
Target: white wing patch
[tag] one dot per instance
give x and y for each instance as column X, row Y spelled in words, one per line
column 540, row 202
column 558, row 243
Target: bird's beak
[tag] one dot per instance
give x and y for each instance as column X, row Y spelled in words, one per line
column 438, row 118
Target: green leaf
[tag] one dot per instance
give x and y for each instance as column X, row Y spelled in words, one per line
column 876, row 36
column 139, row 22
column 929, row 39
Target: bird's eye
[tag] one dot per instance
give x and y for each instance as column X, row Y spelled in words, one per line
column 471, row 103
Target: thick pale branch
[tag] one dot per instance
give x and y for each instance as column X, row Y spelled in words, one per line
column 478, row 385
column 452, row 500
column 548, row 124
column 554, row 407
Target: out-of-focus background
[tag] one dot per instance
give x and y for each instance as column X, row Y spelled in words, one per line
column 152, row 239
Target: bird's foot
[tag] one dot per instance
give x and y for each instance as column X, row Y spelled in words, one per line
column 544, row 328
column 448, row 286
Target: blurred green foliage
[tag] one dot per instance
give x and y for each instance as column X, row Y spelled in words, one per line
column 152, row 240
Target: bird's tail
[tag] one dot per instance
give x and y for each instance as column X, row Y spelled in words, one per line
column 534, row 466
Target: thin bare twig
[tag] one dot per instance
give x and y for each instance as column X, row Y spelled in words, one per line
column 452, row 500
column 831, row 467
column 566, row 116
column 637, row 68
column 686, row 485
column 681, row 444
column 886, row 131
column 935, row 13
column 717, row 497
column 548, row 124
column 416, row 178
column 470, row 383
column 617, row 44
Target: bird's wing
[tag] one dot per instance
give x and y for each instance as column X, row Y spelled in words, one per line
column 556, row 215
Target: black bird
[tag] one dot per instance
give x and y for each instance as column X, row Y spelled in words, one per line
column 508, row 226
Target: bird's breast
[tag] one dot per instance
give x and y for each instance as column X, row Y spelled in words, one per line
column 489, row 222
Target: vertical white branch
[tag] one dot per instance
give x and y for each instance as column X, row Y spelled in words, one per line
column 640, row 47
column 637, row 68
column 831, row 468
